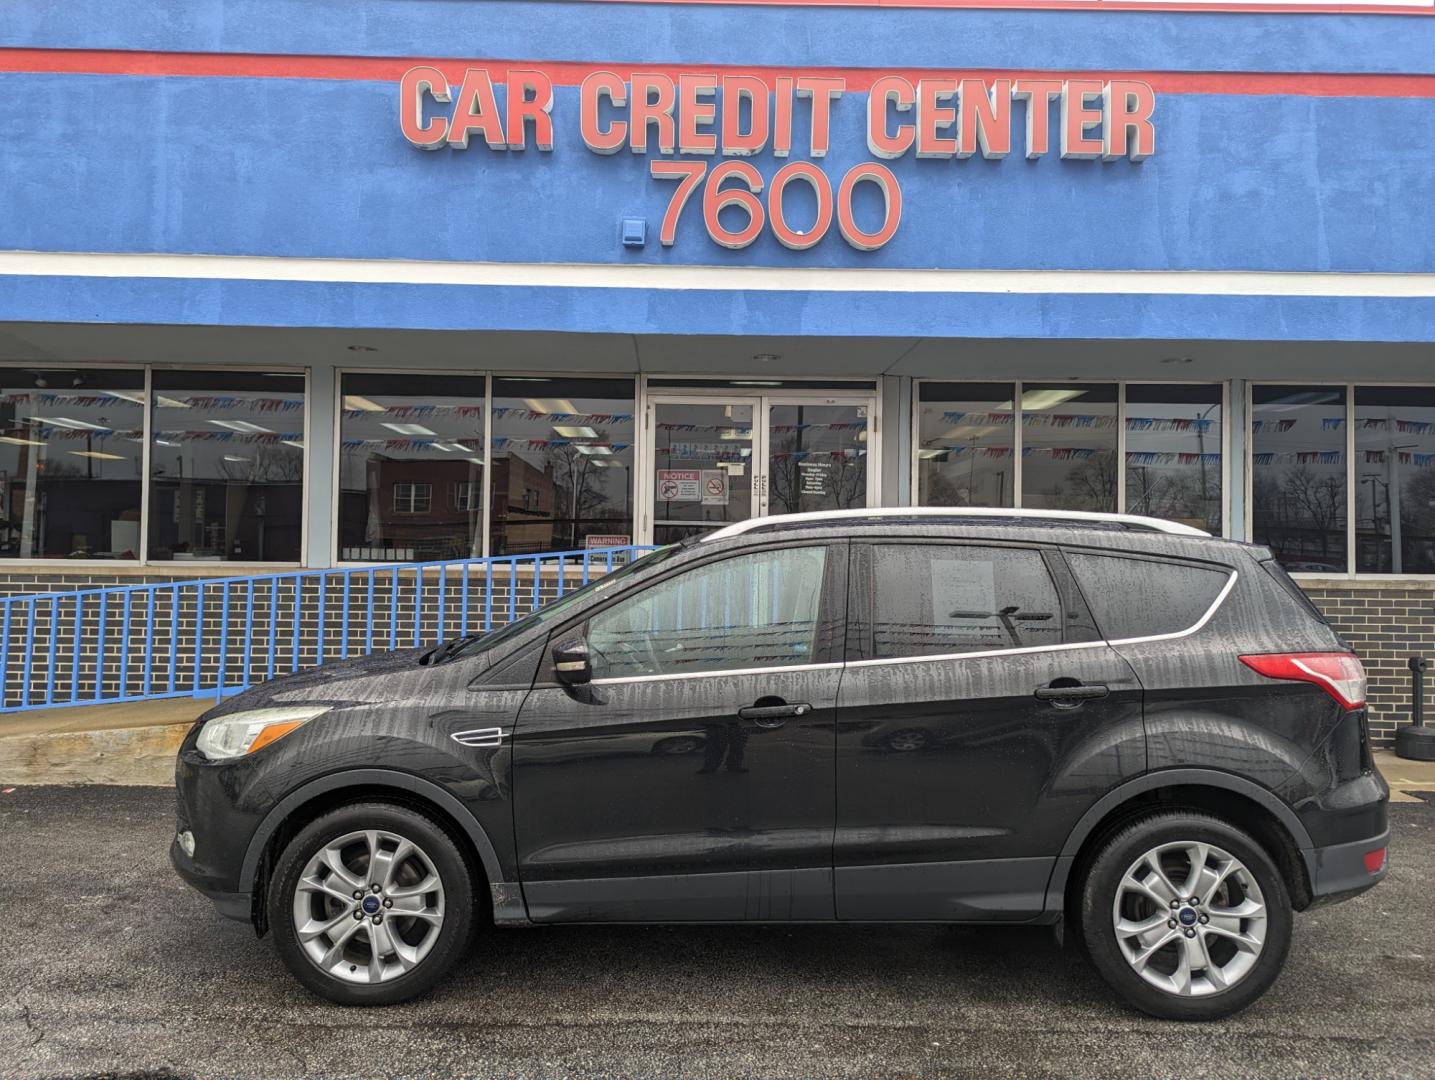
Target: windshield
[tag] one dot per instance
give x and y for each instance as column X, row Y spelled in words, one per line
column 565, row 604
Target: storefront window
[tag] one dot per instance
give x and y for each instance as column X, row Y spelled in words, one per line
column 1173, row 453
column 1298, row 475
column 562, row 463
column 411, row 461
column 71, row 447
column 226, row 466
column 965, row 440
column 1069, row 446
column 1395, row 479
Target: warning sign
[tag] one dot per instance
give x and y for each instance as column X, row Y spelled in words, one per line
column 714, row 487
column 679, row 485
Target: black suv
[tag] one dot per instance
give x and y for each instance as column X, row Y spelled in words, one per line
column 1121, row 727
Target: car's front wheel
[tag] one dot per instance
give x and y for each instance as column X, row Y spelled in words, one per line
column 371, row 904
column 1186, row 916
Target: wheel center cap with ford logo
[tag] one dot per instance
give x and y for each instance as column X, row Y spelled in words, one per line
column 1187, row 916
column 371, row 905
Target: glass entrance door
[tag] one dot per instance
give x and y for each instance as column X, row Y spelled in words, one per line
column 715, row 460
column 816, row 455
column 702, row 461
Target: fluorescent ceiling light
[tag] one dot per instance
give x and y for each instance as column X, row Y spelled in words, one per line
column 450, row 447
column 550, row 405
column 126, row 395
column 1036, row 400
column 15, row 440
column 590, row 450
column 234, row 457
column 296, row 443
column 757, row 382
column 166, row 442
column 170, row 403
column 68, row 422
column 354, row 401
column 408, row 429
column 98, row 454
column 570, row 431
column 476, row 460
column 927, row 455
column 243, row 426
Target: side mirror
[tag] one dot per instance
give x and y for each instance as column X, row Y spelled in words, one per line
column 571, row 663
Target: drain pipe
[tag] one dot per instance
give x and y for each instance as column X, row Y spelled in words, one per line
column 1414, row 741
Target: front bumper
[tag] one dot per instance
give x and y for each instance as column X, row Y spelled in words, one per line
column 232, row 905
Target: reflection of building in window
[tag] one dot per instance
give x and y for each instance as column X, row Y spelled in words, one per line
column 524, row 497
column 411, row 498
column 464, row 495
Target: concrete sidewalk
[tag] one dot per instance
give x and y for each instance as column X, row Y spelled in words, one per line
column 135, row 743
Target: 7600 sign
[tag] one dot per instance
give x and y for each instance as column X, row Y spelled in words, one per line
column 744, row 195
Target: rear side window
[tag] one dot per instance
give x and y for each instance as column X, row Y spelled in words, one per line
column 931, row 599
column 1296, row 593
column 1134, row 598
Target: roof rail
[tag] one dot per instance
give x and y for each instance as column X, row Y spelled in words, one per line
column 878, row 513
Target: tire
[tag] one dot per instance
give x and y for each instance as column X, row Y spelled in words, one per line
column 422, row 871
column 1222, row 953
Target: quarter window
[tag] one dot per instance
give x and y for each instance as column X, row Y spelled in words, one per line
column 1133, row 598
column 933, row 599
column 750, row 611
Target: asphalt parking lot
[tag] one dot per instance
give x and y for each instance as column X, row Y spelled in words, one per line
column 111, row 967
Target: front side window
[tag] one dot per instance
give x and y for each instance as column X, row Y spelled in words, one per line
column 400, row 435
column 748, row 611
column 1298, row 476
column 937, row 599
column 71, row 448
column 226, row 466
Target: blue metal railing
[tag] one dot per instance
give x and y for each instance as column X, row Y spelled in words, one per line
column 216, row 636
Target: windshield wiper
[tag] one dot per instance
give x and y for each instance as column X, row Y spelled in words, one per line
column 439, row 653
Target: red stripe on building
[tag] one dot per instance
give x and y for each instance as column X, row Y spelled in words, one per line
column 566, row 73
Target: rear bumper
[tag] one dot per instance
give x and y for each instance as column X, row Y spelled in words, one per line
column 1341, row 871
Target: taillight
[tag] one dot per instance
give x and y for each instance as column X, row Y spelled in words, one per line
column 1339, row 674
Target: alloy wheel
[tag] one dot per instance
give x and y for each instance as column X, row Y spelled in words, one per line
column 368, row 907
column 1190, row 919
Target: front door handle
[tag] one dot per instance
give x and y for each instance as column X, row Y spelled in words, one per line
column 1068, row 697
column 773, row 716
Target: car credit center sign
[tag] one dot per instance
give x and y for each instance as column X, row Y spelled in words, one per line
column 936, row 117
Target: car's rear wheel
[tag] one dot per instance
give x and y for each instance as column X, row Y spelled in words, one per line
column 1186, row 916
column 371, row 904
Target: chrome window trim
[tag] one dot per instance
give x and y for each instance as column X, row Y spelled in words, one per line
column 669, row 676
column 937, row 658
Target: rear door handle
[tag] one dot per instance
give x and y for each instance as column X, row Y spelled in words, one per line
column 1069, row 696
column 773, row 716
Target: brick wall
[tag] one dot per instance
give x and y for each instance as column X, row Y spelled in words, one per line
column 1386, row 623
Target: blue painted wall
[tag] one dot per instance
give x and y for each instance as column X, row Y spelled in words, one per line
column 104, row 163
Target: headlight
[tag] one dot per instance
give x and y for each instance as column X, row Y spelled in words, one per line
column 245, row 732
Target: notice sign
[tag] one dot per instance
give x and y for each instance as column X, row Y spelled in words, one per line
column 714, row 487
column 680, row 485
column 813, row 476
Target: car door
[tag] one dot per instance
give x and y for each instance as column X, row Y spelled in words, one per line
column 692, row 778
column 979, row 715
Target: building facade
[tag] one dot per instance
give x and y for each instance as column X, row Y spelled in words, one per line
column 394, row 280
